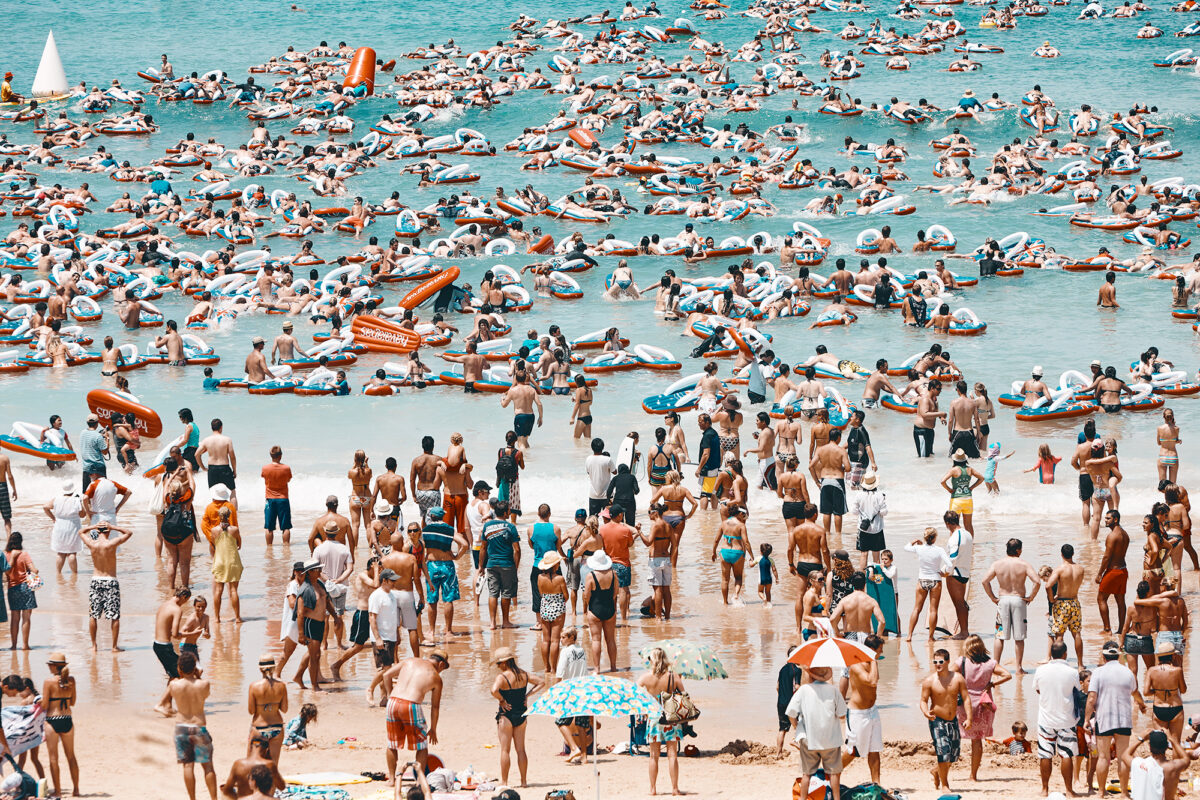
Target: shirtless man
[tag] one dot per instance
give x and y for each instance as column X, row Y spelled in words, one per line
column 166, row 631
column 660, row 544
column 828, row 468
column 104, row 593
column 1010, row 574
column 877, row 383
column 788, row 436
column 941, row 694
column 1113, row 576
column 1063, row 589
column 173, row 343
column 363, row 584
column 311, row 610
column 193, row 744
column 1108, row 291
column 256, row 362
column 1083, row 451
column 222, row 461
column 473, row 366
column 318, row 527
column 857, row 615
column 523, row 398
column 808, row 551
column 425, row 478
column 286, row 346
column 412, row 679
column 963, row 422
column 926, row 417
column 864, row 730
column 764, row 450
column 239, row 783
column 389, row 487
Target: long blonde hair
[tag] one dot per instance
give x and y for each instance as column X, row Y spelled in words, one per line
column 658, row 661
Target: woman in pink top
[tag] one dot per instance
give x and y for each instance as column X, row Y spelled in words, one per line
column 982, row 674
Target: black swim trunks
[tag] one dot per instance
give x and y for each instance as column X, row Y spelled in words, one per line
column 1111, row 408
column 1085, row 487
column 793, row 509
column 221, row 473
column 805, row 567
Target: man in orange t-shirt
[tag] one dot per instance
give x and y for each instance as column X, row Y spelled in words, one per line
column 278, row 509
column 618, row 537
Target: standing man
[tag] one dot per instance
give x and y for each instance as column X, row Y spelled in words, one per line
column 389, row 488
column 618, row 538
column 456, row 485
column 311, row 610
column 870, row 506
column 441, row 576
column 828, row 468
column 857, row 614
column 412, row 679
column 100, row 503
column 331, row 515
column 166, row 631
column 959, row 546
column 425, row 478
column 1056, row 682
column 1107, row 297
column 500, row 556
column 817, row 710
column 1065, row 613
column 1083, row 451
column 384, row 614
column 337, row 564
column 926, row 417
column 8, row 492
column 104, row 593
column 963, row 422
column 864, row 730
column 1010, row 574
column 278, row 510
column 858, row 448
column 523, row 398
column 1113, row 576
column 222, row 461
column 365, row 583
column 708, row 463
column 661, row 547
column 93, row 450
column 941, row 694
column 193, row 744
column 1111, row 694
column 600, row 469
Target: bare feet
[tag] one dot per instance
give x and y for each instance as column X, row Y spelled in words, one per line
column 115, row 649
column 166, row 711
column 336, row 669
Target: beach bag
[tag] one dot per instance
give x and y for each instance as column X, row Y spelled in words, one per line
column 677, row 707
column 155, row 506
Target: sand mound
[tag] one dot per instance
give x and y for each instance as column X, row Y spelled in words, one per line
column 739, row 751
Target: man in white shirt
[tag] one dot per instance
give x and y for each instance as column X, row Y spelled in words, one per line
column 1056, row 682
column 959, row 546
column 337, row 563
column 600, row 469
column 384, row 613
column 100, row 500
column 1111, row 695
column 817, row 710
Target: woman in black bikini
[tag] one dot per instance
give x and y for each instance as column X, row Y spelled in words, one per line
column 268, row 700
column 600, row 600
column 179, row 520
column 58, row 695
column 512, row 688
column 581, row 414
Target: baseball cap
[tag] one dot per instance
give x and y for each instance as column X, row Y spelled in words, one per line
column 92, row 418
column 1111, row 648
column 581, row 512
column 388, row 575
column 1037, row 370
column 437, row 512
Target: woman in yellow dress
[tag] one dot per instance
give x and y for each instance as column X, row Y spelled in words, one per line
column 227, row 565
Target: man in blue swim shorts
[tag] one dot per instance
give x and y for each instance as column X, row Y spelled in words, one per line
column 439, row 540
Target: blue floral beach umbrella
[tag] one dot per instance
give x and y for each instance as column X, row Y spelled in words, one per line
column 595, row 696
column 688, row 659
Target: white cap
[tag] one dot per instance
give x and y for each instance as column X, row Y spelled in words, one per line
column 1037, row 370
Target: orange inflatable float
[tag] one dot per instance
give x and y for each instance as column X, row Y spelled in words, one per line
column 106, row 402
column 381, row 336
column 543, row 245
column 582, row 137
column 362, row 70
column 428, row 288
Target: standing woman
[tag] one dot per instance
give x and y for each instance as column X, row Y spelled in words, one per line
column 1168, row 444
column 512, row 689
column 581, row 413
column 987, row 411
column 672, row 495
column 982, row 674
column 675, row 436
column 934, row 564
column 733, row 540
column 360, row 497
column 508, row 486
column 551, row 613
column 600, row 602
column 58, row 695
column 1157, row 554
column 179, row 521
column 21, row 599
column 661, row 683
column 587, row 543
column 226, row 565
column 268, row 702
column 66, row 511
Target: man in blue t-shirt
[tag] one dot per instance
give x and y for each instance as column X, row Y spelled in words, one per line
column 93, row 448
column 499, row 556
column 708, row 464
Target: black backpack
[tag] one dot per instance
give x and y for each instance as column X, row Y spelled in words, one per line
column 506, row 466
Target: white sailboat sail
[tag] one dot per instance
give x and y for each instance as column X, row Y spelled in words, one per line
column 50, row 80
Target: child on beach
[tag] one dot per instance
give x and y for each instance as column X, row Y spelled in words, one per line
column 1045, row 465
column 194, row 625
column 296, row 734
column 989, row 468
column 767, row 573
column 128, row 440
column 1017, row 744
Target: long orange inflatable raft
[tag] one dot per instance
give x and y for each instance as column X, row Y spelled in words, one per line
column 429, row 287
column 105, row 402
column 381, row 336
column 362, row 70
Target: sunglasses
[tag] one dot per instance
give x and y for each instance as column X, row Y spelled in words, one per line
column 938, row 661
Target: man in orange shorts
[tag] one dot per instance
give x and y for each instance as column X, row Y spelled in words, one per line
column 456, row 483
column 410, row 681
